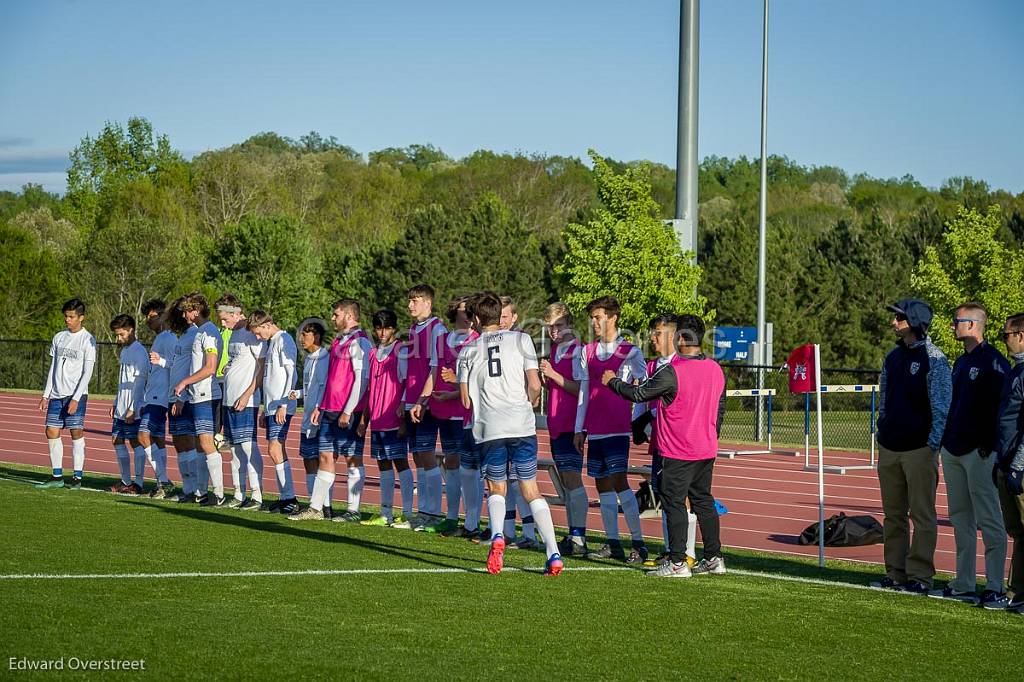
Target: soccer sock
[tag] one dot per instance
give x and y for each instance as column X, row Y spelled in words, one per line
column 579, row 505
column 420, row 491
column 255, row 468
column 239, row 470
column 147, row 451
column 691, row 534
column 289, row 485
column 472, row 497
column 405, row 485
column 280, row 470
column 495, row 510
column 140, row 465
column 631, row 510
column 435, row 485
column 509, row 528
column 322, row 481
column 330, row 493
column 540, row 511
column 160, row 457
column 355, row 487
column 310, row 482
column 215, row 465
column 185, row 469
column 453, row 492
column 56, row 446
column 78, row 456
column 123, row 462
column 387, row 494
column 200, row 472
column 610, row 515
column 527, row 517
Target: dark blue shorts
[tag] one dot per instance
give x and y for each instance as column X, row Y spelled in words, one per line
column 450, row 432
column 239, row 425
column 181, row 425
column 203, row 416
column 513, row 459
column 122, row 430
column 57, row 413
column 309, row 446
column 565, row 454
column 421, row 437
column 388, row 445
column 342, row 441
column 275, row 431
column 607, row 456
column 153, row 420
column 470, row 455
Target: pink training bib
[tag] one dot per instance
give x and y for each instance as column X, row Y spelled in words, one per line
column 385, row 391
column 340, row 375
column 607, row 413
column 447, row 357
column 561, row 406
column 417, row 351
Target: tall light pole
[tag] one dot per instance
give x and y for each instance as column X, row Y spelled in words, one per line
column 762, row 340
column 685, row 223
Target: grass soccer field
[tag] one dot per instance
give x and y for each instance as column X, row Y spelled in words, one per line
column 199, row 593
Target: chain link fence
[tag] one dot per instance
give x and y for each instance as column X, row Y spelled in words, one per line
column 23, row 365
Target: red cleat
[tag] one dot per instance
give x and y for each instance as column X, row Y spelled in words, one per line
column 496, row 555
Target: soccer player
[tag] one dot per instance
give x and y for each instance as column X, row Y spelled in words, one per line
column 1008, row 470
column 153, row 418
column 314, row 380
column 180, row 422
column 241, row 377
column 421, row 430
column 690, row 388
column 131, row 392
column 562, row 374
column 67, row 393
column 498, row 379
column 202, row 391
column 604, row 424
column 278, row 407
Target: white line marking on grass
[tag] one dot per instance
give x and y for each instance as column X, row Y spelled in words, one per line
column 308, row 572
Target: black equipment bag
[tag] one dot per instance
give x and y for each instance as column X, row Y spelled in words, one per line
column 845, row 531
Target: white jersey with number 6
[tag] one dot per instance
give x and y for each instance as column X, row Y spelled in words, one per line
column 494, row 370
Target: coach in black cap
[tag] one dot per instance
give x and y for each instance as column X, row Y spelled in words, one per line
column 915, row 389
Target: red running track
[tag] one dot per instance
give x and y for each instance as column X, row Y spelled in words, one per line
column 770, row 498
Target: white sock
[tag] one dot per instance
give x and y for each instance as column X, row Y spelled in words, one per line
column 239, row 470
column 435, row 485
column 610, row 514
column 453, row 492
column 387, row 493
column 420, row 491
column 691, row 535
column 322, row 481
column 329, row 494
column 496, row 510
column 405, row 485
column 160, row 457
column 354, row 478
column 579, row 505
column 255, row 469
column 289, row 485
column 147, row 451
column 201, row 472
column 470, row 493
column 631, row 510
column 541, row 513
column 529, row 522
column 310, row 483
column 215, row 465
column 78, row 455
column 509, row 526
column 185, row 469
column 140, row 465
column 56, row 447
column 124, row 462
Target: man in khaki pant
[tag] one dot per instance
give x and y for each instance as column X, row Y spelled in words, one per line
column 915, row 390
column 979, row 377
column 1008, row 473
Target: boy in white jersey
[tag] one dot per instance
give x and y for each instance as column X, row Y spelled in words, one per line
column 314, row 380
column 202, row 393
column 179, row 418
column 240, row 379
column 604, row 423
column 278, row 409
column 153, row 418
column 131, row 392
column 499, row 381
column 67, row 392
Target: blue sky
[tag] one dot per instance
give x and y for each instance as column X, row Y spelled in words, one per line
column 933, row 88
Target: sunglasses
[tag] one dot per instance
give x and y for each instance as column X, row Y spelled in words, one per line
column 1005, row 335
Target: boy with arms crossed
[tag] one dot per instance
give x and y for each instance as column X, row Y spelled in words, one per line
column 314, row 380
column 131, row 392
column 153, row 418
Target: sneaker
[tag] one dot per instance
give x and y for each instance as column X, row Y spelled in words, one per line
column 916, row 587
column 447, row 527
column 608, row 552
column 429, row 524
column 250, row 505
column 185, row 498
column 376, row 521
column 211, row 500
column 1016, row 604
column 638, row 555
column 472, row 535
column 572, row 546
column 527, row 543
column 118, row 488
column 484, row 538
column 162, row 492
column 886, row 583
column 712, row 566
column 328, row 514
column 74, row 484
column 235, row 503
column 289, row 506
column 670, row 569
column 348, row 517
column 133, row 490
column 401, row 523
column 308, row 514
column 270, row 507
column 496, row 555
column 554, row 565
column 202, row 500
column 55, row 482
column 955, row 595
column 457, row 532
column 994, row 601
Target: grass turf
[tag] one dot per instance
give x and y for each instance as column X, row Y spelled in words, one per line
column 460, row 625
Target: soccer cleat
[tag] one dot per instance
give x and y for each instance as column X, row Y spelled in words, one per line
column 472, row 535
column 133, row 490
column 572, row 546
column 328, row 513
column 457, row 532
column 608, row 551
column 670, row 569
column 201, row 500
column 186, row 498
column 162, row 492
column 348, row 517
column 955, row 595
column 446, row 527
column 118, row 488
column 74, row 484
column 527, row 543
column 250, row 505
column 289, row 506
column 496, row 555
column 484, row 538
column 429, row 524
column 1016, row 605
column 55, row 482
column 886, row 583
column 211, row 500
column 659, row 560
column 401, row 523
column 270, row 507
column 712, row 566
column 235, row 503
column 994, row 601
column 554, row 565
column 638, row 555
column 308, row 514
column 917, row 588
column 377, row 521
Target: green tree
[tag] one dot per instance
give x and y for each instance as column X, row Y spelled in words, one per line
column 31, row 287
column 971, row 264
column 628, row 252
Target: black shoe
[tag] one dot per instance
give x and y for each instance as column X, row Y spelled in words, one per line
column 328, row 513
column 203, row 500
column 212, row 501
column 74, row 484
column 289, row 506
column 270, row 507
column 637, row 556
column 608, row 551
column 887, row 583
column 916, row 587
column 569, row 546
column 186, row 498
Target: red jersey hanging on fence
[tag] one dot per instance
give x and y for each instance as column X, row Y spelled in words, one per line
column 801, row 369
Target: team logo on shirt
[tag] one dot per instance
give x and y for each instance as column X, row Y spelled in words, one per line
column 974, row 372
column 996, row 367
column 914, row 366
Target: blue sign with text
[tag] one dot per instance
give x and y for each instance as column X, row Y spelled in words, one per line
column 733, row 343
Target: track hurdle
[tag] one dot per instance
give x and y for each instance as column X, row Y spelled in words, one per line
column 872, row 389
column 768, row 394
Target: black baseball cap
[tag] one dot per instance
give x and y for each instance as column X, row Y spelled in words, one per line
column 918, row 313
